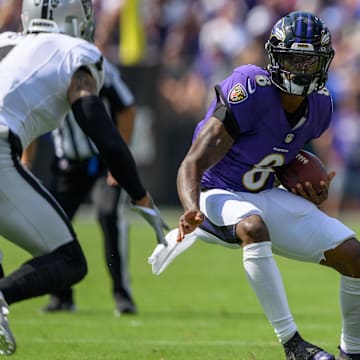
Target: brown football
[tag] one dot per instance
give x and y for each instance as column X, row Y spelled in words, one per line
column 305, row 167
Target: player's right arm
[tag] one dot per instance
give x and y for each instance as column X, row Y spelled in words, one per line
column 210, row 146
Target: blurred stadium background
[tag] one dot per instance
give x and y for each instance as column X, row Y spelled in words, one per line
column 172, row 52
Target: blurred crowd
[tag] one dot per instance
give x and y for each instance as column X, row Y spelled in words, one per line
column 196, row 43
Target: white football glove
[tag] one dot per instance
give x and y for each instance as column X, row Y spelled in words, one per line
column 153, row 217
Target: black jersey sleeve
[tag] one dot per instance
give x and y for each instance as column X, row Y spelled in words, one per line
column 92, row 117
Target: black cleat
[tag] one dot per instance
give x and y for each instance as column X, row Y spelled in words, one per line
column 124, row 306
column 56, row 304
column 299, row 349
column 344, row 356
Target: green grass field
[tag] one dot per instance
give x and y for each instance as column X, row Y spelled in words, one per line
column 200, row 308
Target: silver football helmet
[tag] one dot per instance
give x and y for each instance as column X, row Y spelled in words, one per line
column 72, row 17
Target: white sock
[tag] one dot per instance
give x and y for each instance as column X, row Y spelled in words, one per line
column 265, row 279
column 350, row 310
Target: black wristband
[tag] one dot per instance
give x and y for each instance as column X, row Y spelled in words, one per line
column 92, row 117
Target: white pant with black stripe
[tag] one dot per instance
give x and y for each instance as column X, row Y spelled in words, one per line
column 29, row 215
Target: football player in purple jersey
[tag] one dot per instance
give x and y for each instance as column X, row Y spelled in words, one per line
column 258, row 121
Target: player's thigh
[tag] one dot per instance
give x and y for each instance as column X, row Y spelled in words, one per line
column 300, row 230
column 29, row 216
column 225, row 208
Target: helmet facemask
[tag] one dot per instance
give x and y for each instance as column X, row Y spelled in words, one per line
column 299, row 64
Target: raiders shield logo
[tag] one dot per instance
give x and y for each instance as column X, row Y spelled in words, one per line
column 237, row 94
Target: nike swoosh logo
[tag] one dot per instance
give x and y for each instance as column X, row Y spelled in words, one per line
column 251, row 89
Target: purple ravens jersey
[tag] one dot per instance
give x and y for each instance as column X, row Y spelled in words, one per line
column 265, row 139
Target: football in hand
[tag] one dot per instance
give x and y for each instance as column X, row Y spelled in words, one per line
column 305, row 167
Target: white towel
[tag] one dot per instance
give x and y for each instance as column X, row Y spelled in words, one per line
column 163, row 255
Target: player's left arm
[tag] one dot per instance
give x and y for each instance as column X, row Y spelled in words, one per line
column 308, row 192
column 323, row 148
column 91, row 115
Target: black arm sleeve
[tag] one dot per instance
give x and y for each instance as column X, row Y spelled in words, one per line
column 224, row 114
column 92, row 117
